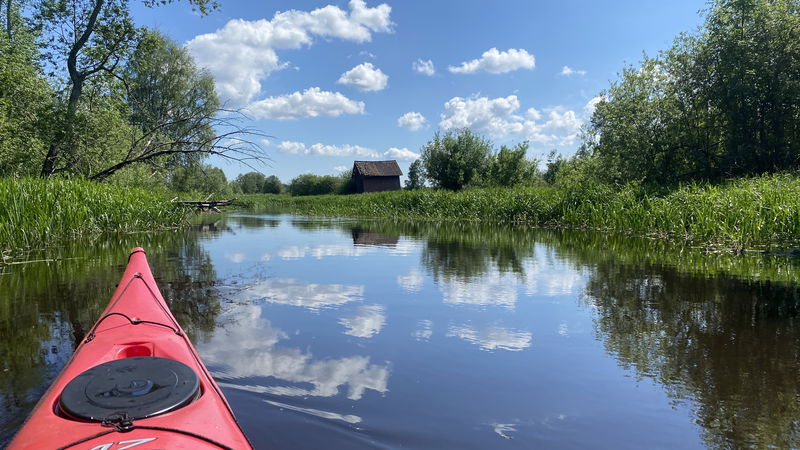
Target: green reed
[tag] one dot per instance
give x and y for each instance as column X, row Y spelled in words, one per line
column 741, row 213
column 35, row 212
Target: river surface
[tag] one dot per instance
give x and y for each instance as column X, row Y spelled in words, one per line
column 370, row 334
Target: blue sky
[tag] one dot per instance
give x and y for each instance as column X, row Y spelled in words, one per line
column 337, row 81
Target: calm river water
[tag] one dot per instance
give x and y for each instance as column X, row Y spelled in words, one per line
column 372, row 334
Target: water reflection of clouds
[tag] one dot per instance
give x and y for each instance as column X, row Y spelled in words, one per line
column 288, row 291
column 424, row 330
column 322, row 251
column 412, row 281
column 235, row 257
column 493, row 288
column 550, row 280
column 492, row 338
column 367, row 322
column 250, row 348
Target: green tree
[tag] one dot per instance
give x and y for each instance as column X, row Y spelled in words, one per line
column 251, row 182
column 272, row 185
column 199, row 178
column 452, row 161
column 722, row 102
column 416, row 175
column 87, row 39
column 310, row 184
column 25, row 106
column 510, row 167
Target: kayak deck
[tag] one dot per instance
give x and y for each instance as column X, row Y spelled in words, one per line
column 136, row 323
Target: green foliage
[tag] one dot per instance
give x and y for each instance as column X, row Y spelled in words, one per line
column 416, row 175
column 555, row 163
column 37, row 212
column 171, row 101
column 720, row 103
column 25, row 106
column 201, row 178
column 742, row 213
column 510, row 167
column 310, row 184
column 454, row 160
column 250, row 182
column 272, row 185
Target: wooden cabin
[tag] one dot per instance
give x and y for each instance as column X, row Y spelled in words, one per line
column 376, row 176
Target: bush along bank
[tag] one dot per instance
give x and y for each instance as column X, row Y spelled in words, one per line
column 36, row 212
column 739, row 214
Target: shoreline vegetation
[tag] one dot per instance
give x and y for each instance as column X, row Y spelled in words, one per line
column 738, row 215
column 37, row 212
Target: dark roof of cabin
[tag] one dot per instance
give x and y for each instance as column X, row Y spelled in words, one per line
column 378, row 168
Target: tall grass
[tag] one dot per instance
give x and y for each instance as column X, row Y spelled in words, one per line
column 35, row 212
column 741, row 213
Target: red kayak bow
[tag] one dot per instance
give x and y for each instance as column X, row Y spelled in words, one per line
column 135, row 382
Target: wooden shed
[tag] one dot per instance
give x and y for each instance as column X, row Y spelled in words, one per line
column 376, row 176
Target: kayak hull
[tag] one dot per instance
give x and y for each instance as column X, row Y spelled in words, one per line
column 136, row 323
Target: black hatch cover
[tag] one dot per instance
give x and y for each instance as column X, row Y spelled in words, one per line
column 140, row 387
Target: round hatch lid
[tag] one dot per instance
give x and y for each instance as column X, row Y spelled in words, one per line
column 141, row 387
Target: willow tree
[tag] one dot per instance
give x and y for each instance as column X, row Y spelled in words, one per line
column 85, row 39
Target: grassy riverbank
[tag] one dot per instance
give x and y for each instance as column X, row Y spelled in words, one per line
column 35, row 212
column 740, row 213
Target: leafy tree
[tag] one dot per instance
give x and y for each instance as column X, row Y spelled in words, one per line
column 452, row 161
column 310, row 184
column 25, row 106
column 510, row 167
column 554, row 164
column 88, row 39
column 251, row 182
column 416, row 175
column 347, row 185
column 719, row 103
column 200, row 178
column 272, row 185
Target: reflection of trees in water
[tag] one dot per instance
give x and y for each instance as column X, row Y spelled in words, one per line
column 720, row 330
column 46, row 307
column 728, row 344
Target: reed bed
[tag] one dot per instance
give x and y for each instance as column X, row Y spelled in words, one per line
column 35, row 212
column 742, row 213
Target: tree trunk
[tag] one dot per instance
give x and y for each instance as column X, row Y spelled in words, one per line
column 65, row 135
column 77, row 77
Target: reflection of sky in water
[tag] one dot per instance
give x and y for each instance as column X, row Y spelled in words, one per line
column 363, row 333
column 248, row 347
column 367, row 323
column 298, row 293
column 493, row 338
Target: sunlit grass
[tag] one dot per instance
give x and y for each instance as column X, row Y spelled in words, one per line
column 36, row 212
column 741, row 213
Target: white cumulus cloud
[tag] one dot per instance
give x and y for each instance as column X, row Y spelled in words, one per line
column 424, row 67
column 402, row 154
column 312, row 102
column 299, row 148
column 242, row 53
column 567, row 71
column 412, row 120
column 500, row 118
column 365, row 77
column 495, row 61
